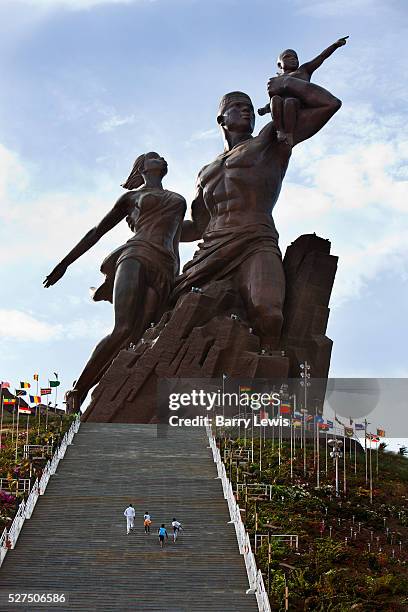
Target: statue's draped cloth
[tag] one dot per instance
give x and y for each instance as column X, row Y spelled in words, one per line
column 222, row 251
column 160, row 264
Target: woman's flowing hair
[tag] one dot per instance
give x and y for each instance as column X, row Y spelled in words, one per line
column 135, row 178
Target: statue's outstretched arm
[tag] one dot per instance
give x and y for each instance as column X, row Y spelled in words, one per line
column 315, row 63
column 200, row 217
column 317, row 104
column 114, row 216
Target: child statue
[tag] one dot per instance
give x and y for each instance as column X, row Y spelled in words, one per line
column 284, row 110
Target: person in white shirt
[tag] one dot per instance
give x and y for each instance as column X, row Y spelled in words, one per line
column 176, row 528
column 130, row 518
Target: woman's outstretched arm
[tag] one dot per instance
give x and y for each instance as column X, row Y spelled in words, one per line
column 114, row 216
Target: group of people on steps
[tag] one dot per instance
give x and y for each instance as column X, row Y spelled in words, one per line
column 130, row 514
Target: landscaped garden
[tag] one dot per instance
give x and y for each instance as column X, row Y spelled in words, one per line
column 351, row 549
column 19, row 469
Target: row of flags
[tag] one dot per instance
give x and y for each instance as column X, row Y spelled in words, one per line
column 302, row 416
column 22, row 392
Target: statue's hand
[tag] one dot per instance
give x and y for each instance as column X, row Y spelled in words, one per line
column 342, row 41
column 275, row 85
column 57, row 273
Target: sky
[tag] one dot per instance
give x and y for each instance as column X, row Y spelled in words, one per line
column 88, row 85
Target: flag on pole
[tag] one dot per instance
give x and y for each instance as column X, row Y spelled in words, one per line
column 330, row 424
column 35, row 377
column 46, row 391
column 24, row 409
column 263, row 414
column 323, row 426
column 5, row 385
column 20, row 392
column 348, row 431
column 381, row 433
column 318, row 418
column 297, row 423
column 35, row 399
column 56, row 375
column 25, row 385
column 9, row 401
column 372, row 437
column 54, row 383
column 359, row 426
column 309, row 418
column 297, row 414
column 285, row 408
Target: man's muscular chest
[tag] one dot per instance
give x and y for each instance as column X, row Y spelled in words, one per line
column 234, row 169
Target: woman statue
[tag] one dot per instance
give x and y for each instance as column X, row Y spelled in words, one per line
column 139, row 274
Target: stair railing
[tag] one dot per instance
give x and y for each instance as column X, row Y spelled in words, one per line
column 9, row 538
column 255, row 578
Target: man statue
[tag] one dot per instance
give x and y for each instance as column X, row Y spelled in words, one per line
column 236, row 193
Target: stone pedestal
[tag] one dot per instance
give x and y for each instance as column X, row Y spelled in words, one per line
column 208, row 334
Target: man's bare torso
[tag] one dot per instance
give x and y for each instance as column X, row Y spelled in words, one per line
column 241, row 186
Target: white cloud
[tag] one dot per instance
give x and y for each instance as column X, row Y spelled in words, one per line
column 340, row 8
column 349, row 185
column 115, row 121
column 12, row 173
column 23, row 326
column 18, row 325
column 73, row 4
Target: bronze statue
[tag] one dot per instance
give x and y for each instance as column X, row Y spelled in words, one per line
column 236, row 193
column 139, row 274
column 285, row 109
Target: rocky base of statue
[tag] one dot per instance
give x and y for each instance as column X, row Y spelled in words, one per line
column 207, row 334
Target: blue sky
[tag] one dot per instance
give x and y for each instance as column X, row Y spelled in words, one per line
column 87, row 85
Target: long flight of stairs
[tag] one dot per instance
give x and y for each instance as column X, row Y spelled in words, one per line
column 76, row 540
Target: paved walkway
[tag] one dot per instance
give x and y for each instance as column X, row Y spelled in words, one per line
column 76, row 540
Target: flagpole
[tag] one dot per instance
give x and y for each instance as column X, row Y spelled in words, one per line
column 39, row 419
column 291, row 447
column 18, row 418
column 344, row 462
column 378, row 446
column 12, row 425
column 318, row 455
column 56, row 391
column 28, row 421
column 304, row 443
column 279, row 428
column 326, row 454
column 365, row 449
column 371, row 476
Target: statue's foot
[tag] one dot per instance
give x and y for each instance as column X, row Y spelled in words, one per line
column 71, row 400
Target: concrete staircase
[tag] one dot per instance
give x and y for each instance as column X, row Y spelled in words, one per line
column 76, row 540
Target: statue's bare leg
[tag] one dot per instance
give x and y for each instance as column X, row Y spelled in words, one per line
column 277, row 117
column 262, row 287
column 128, row 297
column 290, row 108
